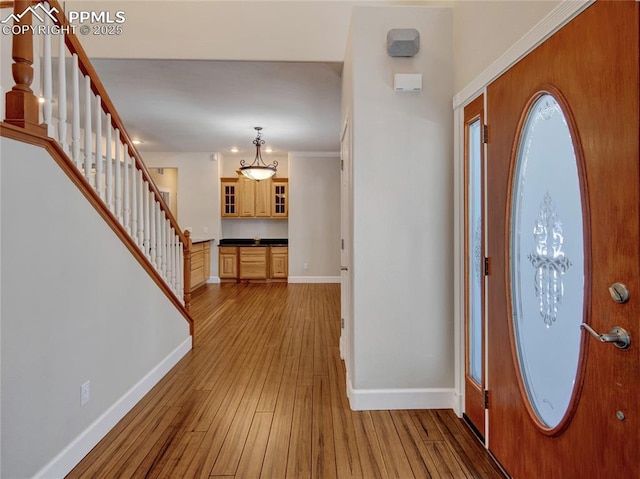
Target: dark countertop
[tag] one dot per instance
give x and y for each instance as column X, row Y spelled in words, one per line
column 252, row 242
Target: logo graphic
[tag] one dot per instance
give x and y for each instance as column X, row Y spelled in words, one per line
column 34, row 10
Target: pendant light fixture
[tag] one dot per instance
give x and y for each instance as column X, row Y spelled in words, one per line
column 258, row 170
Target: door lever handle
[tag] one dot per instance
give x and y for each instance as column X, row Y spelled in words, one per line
column 343, row 268
column 618, row 336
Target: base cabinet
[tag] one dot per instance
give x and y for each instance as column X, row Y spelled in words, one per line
column 200, row 264
column 253, row 262
column 228, row 262
column 279, row 262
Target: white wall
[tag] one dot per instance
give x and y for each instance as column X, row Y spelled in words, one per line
column 167, row 181
column 198, row 190
column 254, row 228
column 486, row 29
column 402, row 225
column 78, row 307
column 314, row 217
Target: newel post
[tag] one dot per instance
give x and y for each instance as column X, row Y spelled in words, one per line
column 21, row 103
column 187, row 270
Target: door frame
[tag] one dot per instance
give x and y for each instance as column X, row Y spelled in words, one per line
column 346, row 249
column 555, row 20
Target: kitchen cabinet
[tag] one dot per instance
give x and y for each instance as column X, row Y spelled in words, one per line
column 227, row 262
column 247, row 196
column 255, row 197
column 279, row 197
column 244, row 198
column 263, row 198
column 229, row 197
column 253, row 262
column 200, row 264
column 279, row 262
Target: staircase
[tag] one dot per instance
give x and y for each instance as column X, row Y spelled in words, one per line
column 103, row 302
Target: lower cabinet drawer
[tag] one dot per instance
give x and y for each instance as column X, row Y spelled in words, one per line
column 253, row 263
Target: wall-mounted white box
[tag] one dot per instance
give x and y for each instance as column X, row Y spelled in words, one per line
column 407, row 82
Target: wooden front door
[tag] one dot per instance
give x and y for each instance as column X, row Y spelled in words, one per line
column 563, row 227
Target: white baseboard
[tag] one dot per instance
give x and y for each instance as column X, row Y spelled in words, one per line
column 458, row 403
column 313, row 279
column 71, row 455
column 213, row 280
column 418, row 398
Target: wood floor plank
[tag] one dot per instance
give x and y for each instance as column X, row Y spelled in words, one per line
column 275, row 460
column 299, row 458
column 413, row 444
column 229, row 456
column 426, row 426
column 213, row 439
column 320, row 365
column 394, row 455
column 323, row 457
column 252, row 457
column 347, row 457
column 445, row 462
column 369, row 450
column 267, row 402
column 305, row 370
column 275, row 346
column 157, row 457
column 180, row 459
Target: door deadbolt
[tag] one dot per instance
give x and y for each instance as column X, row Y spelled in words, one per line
column 619, row 292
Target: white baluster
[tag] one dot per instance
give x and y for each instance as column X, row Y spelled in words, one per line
column 174, row 256
column 134, row 201
column 75, row 112
column 47, row 77
column 87, row 129
column 109, row 164
column 126, row 193
column 181, row 271
column 163, row 245
column 141, row 196
column 62, row 95
column 178, row 268
column 158, row 237
column 98, row 151
column 170, row 272
column 147, row 215
column 152, row 228
column 118, row 175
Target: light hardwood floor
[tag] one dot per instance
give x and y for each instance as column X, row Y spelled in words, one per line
column 262, row 395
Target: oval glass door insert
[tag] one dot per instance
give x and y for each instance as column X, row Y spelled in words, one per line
column 547, row 261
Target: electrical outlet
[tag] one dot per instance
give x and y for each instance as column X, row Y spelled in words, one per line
column 205, row 230
column 305, row 266
column 84, row 393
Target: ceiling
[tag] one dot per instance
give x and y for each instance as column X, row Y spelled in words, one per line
column 194, row 106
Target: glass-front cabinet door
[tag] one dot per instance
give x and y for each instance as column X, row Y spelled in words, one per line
column 229, row 196
column 279, row 201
